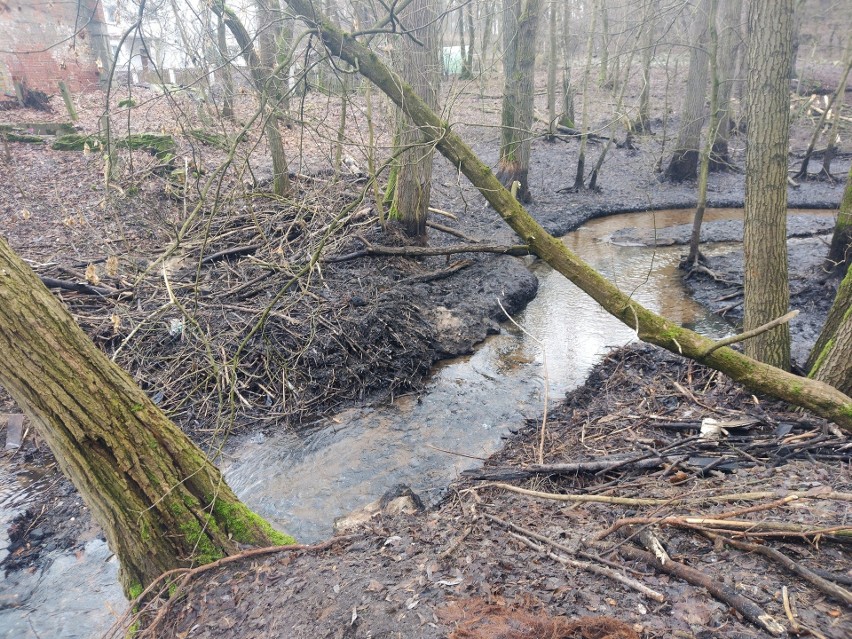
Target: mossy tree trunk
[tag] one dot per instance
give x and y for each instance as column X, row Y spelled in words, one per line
column 833, row 352
column 684, row 162
column 520, row 27
column 650, row 327
column 840, row 252
column 420, row 64
column 160, row 501
column 767, row 291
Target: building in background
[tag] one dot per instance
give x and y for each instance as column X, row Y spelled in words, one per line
column 42, row 43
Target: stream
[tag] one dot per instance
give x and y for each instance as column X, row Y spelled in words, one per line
column 301, row 481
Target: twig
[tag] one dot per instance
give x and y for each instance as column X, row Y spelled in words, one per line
column 452, row 216
column 428, row 251
column 451, row 231
column 823, row 585
column 51, row 282
column 746, row 607
column 230, row 252
column 436, row 275
column 523, row 535
column 752, row 333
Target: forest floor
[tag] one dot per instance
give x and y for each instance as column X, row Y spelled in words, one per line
column 367, row 329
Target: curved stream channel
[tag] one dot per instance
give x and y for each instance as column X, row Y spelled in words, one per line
column 301, row 481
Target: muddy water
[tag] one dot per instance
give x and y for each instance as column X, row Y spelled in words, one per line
column 302, row 481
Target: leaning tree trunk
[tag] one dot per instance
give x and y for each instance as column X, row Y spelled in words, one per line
column 520, row 25
column 767, row 292
column 840, row 252
column 160, row 501
column 650, row 327
column 837, row 263
column 420, row 65
column 684, row 162
column 833, row 363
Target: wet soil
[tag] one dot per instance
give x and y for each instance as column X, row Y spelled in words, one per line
column 57, row 214
column 426, row 575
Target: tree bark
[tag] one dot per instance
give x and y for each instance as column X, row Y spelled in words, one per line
column 520, row 26
column 729, row 44
column 224, row 71
column 650, row 327
column 767, row 292
column 840, row 252
column 643, row 118
column 684, row 162
column 161, row 503
column 579, row 176
column 552, row 56
column 420, row 65
column 567, row 117
column 269, row 37
column 833, row 363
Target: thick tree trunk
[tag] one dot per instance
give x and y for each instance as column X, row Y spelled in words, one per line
column 841, row 247
column 813, row 395
column 420, row 65
column 840, row 252
column 684, row 162
column 767, row 292
column 833, row 360
column 161, row 503
column 520, row 26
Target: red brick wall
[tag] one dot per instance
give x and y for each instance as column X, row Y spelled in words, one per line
column 38, row 45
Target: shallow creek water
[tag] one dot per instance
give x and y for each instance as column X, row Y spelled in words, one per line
column 301, row 481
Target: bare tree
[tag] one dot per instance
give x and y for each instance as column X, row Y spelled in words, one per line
column 416, row 56
column 684, row 162
column 520, row 27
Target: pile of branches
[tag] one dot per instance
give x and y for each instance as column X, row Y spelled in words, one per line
column 243, row 323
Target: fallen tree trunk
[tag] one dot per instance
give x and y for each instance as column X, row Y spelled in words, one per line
column 161, row 502
column 821, row 398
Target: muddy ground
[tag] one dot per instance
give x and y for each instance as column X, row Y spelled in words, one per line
column 366, row 330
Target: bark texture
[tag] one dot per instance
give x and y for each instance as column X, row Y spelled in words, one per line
column 650, row 327
column 684, row 162
column 161, row 503
column 420, row 66
column 767, row 292
column 726, row 60
column 840, row 252
column 520, row 27
column 833, row 363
